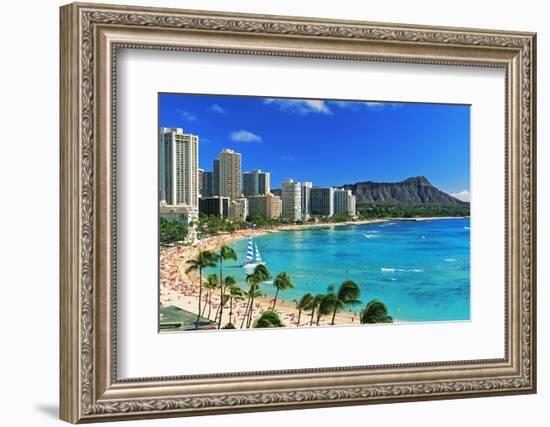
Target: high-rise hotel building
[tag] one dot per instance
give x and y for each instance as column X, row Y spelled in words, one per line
column 256, row 182
column 306, row 197
column 344, row 202
column 266, row 205
column 227, row 171
column 179, row 168
column 216, row 177
column 216, row 205
column 291, row 195
column 322, row 201
column 206, row 179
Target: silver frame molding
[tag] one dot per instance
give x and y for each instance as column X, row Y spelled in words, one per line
column 90, row 37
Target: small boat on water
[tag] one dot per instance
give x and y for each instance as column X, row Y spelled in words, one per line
column 253, row 257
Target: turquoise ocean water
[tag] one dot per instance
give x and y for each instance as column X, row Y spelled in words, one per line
column 419, row 269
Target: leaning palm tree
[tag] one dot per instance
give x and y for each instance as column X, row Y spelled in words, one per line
column 204, row 259
column 282, row 282
column 303, row 304
column 375, row 312
column 211, row 284
column 236, row 294
column 227, row 283
column 326, row 306
column 314, row 305
column 259, row 275
column 226, row 252
column 248, row 296
column 348, row 294
column 268, row 319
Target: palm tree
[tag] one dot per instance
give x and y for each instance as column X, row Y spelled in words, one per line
column 348, row 294
column 211, row 284
column 248, row 295
column 268, row 319
column 235, row 294
column 224, row 297
column 375, row 312
column 204, row 259
column 314, row 305
column 259, row 275
column 282, row 282
column 226, row 252
column 303, row 304
column 325, row 306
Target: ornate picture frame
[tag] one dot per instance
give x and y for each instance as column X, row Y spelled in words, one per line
column 90, row 37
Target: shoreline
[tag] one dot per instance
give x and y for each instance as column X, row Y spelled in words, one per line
column 181, row 289
column 212, row 243
column 292, row 227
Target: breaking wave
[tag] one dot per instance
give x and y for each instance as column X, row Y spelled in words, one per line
column 401, row 270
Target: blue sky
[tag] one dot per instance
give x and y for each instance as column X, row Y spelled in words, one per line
column 329, row 142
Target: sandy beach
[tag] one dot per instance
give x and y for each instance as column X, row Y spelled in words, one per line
column 180, row 289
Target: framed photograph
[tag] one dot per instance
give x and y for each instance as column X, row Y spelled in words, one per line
column 266, row 212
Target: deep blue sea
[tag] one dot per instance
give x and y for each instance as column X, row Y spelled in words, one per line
column 419, row 269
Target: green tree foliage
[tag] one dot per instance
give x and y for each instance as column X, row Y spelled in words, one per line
column 405, row 210
column 348, row 294
column 325, row 306
column 375, row 312
column 268, row 319
column 263, row 222
column 302, row 304
column 172, row 231
column 229, row 326
column 338, row 217
column 209, row 225
column 282, row 282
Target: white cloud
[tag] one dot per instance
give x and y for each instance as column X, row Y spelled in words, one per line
column 463, row 195
column 245, row 136
column 217, row 109
column 371, row 105
column 350, row 105
column 300, row 106
column 187, row 115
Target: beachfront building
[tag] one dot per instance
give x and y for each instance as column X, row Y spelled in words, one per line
column 352, row 205
column 229, row 174
column 291, row 196
column 275, row 207
column 174, row 213
column 215, row 178
column 216, row 205
column 205, row 183
column 344, row 202
column 256, row 182
column 200, row 172
column 266, row 205
column 238, row 209
column 179, row 168
column 306, row 197
column 181, row 214
column 322, row 201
